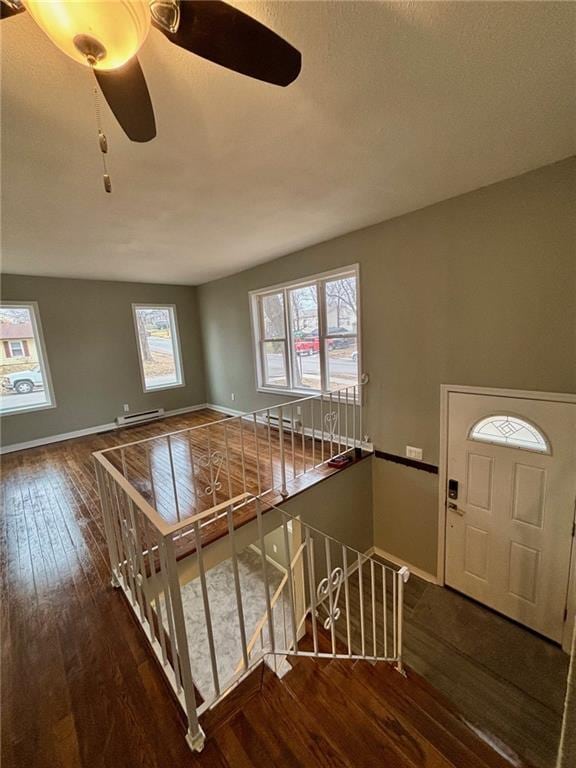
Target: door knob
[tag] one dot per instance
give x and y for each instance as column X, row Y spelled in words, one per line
column 455, row 508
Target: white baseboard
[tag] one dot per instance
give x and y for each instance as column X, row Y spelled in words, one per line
column 88, row 431
column 398, row 561
column 226, row 411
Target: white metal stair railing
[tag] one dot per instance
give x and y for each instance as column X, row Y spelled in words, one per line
column 185, row 472
column 355, row 598
column 361, row 597
column 154, row 514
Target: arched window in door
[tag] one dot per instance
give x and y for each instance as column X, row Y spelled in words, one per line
column 510, row 430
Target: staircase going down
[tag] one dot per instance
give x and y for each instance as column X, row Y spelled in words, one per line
column 336, row 713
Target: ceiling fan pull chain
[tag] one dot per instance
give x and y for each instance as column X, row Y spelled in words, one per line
column 102, row 142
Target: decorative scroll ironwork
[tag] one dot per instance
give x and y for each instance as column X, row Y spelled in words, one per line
column 327, row 585
column 212, row 461
column 331, row 421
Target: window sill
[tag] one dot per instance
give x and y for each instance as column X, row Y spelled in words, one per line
column 160, row 387
column 301, row 393
column 29, row 409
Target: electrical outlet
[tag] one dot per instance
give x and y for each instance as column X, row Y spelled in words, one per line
column 232, row 395
column 414, row 453
column 126, row 408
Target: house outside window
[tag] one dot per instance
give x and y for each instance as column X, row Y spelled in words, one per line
column 25, row 382
column 306, row 333
column 158, row 343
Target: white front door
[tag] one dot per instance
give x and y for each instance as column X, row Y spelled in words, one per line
column 511, row 492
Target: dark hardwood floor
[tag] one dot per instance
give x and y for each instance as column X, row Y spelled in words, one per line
column 80, row 687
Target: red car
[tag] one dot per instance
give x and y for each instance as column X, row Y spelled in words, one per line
column 308, row 346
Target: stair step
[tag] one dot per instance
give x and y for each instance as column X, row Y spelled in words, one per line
column 234, row 702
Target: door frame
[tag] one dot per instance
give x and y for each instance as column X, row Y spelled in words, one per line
column 445, row 391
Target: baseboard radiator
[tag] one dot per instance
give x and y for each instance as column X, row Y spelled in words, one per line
column 127, row 420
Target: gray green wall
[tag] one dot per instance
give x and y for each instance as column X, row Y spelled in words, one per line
column 91, row 346
column 479, row 290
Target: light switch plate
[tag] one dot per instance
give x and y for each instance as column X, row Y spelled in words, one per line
column 414, row 453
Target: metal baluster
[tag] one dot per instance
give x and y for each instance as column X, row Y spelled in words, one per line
column 117, row 523
column 206, row 603
column 157, row 601
column 135, row 517
column 173, row 474
column 394, row 615
column 361, row 596
column 347, row 598
column 322, row 426
column 339, row 424
column 256, row 441
column 360, row 416
column 195, row 735
column 313, row 434
column 135, row 556
column 150, row 472
column 126, row 547
column 290, row 585
column 237, row 587
column 373, row 593
column 210, row 468
column 193, row 468
column 347, row 443
column 292, row 441
column 331, row 426
column 272, row 484
column 265, row 572
column 354, row 419
column 242, row 453
column 227, row 450
column 403, row 576
column 330, row 595
column 303, row 411
column 283, row 489
column 109, row 531
column 385, row 611
column 312, row 586
column 169, row 615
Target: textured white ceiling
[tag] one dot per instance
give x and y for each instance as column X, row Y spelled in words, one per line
column 399, row 105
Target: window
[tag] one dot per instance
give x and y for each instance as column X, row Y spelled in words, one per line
column 24, row 375
column 510, row 430
column 158, row 346
column 17, row 349
column 306, row 334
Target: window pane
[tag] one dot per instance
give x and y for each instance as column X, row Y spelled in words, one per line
column 275, row 374
column 273, row 315
column 22, row 371
column 157, row 345
column 342, row 361
column 305, row 339
column 510, row 430
column 341, row 306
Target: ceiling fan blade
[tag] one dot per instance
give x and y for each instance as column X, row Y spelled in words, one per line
column 8, row 9
column 223, row 34
column 128, row 97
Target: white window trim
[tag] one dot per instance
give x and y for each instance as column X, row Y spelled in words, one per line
column 176, row 343
column 34, row 310
column 256, row 324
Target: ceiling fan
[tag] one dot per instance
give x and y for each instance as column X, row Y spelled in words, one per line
column 106, row 35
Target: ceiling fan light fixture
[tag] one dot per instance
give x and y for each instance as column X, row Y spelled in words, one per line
column 116, row 27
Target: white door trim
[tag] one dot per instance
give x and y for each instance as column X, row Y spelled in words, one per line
column 445, row 390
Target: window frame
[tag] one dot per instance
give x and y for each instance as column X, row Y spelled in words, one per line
column 33, row 308
column 319, row 280
column 21, row 352
column 176, row 345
